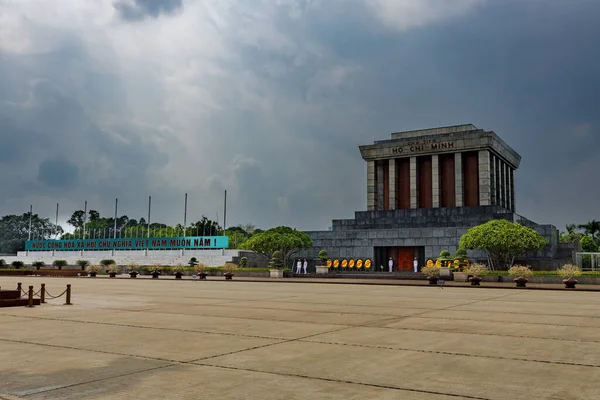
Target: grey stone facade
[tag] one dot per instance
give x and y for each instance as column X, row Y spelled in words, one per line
column 428, row 231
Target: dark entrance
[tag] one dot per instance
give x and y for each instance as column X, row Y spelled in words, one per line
column 402, row 256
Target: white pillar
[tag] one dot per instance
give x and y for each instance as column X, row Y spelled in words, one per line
column 371, row 185
column 458, row 179
column 414, row 188
column 435, row 178
column 484, row 178
column 392, row 183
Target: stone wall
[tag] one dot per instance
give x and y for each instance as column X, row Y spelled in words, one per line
column 435, row 229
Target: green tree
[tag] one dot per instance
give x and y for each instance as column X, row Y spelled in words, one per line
column 570, row 235
column 502, row 241
column 592, row 228
column 588, row 244
column 285, row 239
column 14, row 231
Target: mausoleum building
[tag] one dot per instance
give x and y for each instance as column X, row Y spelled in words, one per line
column 425, row 189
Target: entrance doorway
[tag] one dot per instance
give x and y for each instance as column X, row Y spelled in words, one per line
column 402, row 256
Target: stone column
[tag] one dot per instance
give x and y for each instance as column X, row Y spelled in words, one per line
column 371, row 190
column 512, row 191
column 458, row 179
column 392, row 184
column 435, row 177
column 502, row 171
column 493, row 173
column 380, row 179
column 507, row 174
column 414, row 188
column 484, row 178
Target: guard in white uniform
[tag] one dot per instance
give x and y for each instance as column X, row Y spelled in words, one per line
column 390, row 264
column 298, row 267
column 305, row 265
column 416, row 265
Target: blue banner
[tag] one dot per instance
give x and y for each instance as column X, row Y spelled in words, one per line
column 188, row 242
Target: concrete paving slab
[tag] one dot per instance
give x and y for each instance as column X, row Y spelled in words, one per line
column 130, row 341
column 134, row 338
column 217, row 383
column 451, row 374
column 502, row 347
column 29, row 369
column 506, row 328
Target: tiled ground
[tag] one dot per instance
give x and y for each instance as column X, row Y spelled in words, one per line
column 167, row 339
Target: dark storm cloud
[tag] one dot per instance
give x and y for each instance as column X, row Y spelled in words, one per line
column 139, row 9
column 291, row 110
column 58, row 172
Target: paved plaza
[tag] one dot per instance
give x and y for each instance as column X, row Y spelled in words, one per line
column 167, row 339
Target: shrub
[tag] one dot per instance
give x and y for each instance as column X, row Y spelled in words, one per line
column 230, row 267
column 92, row 268
column 114, row 268
column 477, row 270
column 520, row 271
column 133, row 267
column 193, row 262
column 179, row 268
column 17, row 264
column 106, row 262
column 430, row 270
column 444, row 254
column 82, row 264
column 276, row 260
column 60, row 263
column 199, row 268
column 244, row 262
column 461, row 252
column 569, row 271
column 38, row 264
column 2, row 262
column 323, row 256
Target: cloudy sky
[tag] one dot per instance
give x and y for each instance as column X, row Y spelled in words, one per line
column 269, row 99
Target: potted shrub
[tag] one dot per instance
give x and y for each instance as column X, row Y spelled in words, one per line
column 155, row 271
column 521, row 272
column 275, row 265
column 193, row 262
column 38, row 264
column 113, row 270
column 82, row 264
column 432, row 272
column 476, row 271
column 229, row 269
column 200, row 270
column 92, row 270
column 178, row 270
column 322, row 258
column 133, row 270
column 244, row 262
column 568, row 272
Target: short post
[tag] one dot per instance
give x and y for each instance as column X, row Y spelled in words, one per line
column 30, row 300
column 68, row 303
column 19, row 288
column 43, row 293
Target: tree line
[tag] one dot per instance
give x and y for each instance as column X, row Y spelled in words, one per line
column 14, row 229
